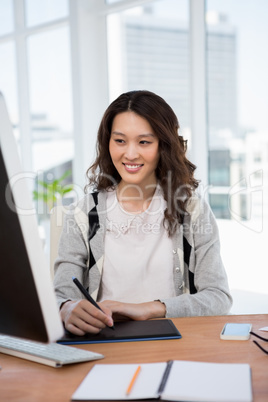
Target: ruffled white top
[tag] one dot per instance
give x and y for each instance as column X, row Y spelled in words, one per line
column 138, row 258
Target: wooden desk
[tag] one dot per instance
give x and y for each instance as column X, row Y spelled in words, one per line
column 25, row 381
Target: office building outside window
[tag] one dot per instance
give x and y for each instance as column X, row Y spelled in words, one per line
column 237, row 87
column 237, row 84
column 152, row 49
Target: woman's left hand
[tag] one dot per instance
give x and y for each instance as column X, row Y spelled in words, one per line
column 133, row 311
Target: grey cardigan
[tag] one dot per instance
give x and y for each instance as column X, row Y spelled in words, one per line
column 200, row 279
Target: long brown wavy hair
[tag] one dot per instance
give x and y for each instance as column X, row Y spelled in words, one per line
column 175, row 173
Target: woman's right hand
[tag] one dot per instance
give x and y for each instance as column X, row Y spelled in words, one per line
column 81, row 317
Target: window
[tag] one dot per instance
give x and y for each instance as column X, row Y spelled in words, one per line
column 50, row 98
column 8, row 80
column 35, row 78
column 113, row 1
column 40, row 12
column 6, row 17
column 237, row 87
column 38, row 63
column 148, row 48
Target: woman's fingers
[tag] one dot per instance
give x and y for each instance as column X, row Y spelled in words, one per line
column 81, row 317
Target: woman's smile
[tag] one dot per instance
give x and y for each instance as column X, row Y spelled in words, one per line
column 132, row 168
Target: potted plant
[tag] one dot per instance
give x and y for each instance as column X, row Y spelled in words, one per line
column 52, row 192
column 49, row 193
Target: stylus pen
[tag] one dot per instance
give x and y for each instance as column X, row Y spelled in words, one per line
column 87, row 295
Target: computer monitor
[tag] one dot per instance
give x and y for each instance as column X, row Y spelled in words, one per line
column 28, row 307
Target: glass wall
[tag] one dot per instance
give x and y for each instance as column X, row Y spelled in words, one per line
column 148, row 48
column 8, row 80
column 39, row 12
column 35, row 78
column 113, row 1
column 237, row 65
column 6, row 17
column 50, row 98
column 8, row 76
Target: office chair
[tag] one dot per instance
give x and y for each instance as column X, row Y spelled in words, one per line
column 56, row 223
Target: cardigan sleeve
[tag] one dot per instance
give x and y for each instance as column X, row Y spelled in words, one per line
column 72, row 256
column 212, row 295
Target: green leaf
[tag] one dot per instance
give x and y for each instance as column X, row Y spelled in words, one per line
column 53, row 190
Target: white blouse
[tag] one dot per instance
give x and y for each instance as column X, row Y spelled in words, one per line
column 138, row 258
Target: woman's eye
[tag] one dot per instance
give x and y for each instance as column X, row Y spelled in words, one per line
column 145, row 142
column 119, row 141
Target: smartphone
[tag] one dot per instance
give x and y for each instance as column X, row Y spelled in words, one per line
column 235, row 331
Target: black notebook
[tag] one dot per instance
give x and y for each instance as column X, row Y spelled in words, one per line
column 125, row 331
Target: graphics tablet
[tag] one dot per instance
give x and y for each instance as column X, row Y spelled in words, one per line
column 128, row 331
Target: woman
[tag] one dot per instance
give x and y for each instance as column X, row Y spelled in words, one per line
column 143, row 242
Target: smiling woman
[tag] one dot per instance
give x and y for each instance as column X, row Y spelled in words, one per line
column 134, row 150
column 143, row 242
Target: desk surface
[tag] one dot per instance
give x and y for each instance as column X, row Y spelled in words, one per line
column 25, row 381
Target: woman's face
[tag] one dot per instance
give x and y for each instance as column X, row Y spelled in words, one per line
column 134, row 149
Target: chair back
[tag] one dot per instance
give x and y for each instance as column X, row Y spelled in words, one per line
column 56, row 224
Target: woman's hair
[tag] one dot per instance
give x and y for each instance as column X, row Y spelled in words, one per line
column 175, row 173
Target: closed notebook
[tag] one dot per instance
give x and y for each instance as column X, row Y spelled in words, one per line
column 173, row 381
column 128, row 331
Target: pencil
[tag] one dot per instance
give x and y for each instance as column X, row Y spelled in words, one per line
column 86, row 294
column 133, row 380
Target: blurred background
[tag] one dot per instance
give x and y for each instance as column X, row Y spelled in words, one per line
column 63, row 61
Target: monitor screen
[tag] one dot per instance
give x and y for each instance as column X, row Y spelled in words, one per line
column 28, row 307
